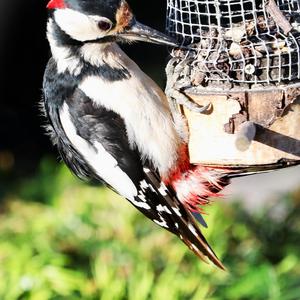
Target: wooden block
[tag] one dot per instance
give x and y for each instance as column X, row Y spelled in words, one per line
column 211, row 145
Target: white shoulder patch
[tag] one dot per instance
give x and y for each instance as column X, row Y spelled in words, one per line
column 104, row 164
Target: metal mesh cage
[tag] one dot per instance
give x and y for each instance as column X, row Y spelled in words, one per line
column 238, row 41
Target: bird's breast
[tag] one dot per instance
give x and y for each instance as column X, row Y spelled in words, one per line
column 143, row 107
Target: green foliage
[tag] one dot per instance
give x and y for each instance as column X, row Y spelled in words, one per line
column 73, row 241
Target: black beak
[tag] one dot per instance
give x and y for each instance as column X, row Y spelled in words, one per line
column 140, row 32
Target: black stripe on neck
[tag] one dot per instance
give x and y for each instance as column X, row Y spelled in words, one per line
column 104, row 71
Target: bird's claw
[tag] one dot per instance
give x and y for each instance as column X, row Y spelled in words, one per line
column 202, row 109
column 184, row 100
column 174, row 88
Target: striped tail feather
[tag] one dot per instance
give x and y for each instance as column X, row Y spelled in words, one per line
column 180, row 221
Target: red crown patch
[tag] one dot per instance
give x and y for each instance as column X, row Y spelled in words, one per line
column 54, row 4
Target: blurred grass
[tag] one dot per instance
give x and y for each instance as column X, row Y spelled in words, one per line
column 62, row 239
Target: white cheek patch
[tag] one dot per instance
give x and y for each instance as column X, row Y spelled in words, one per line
column 77, row 25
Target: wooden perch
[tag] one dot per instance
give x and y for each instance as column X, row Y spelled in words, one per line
column 245, row 135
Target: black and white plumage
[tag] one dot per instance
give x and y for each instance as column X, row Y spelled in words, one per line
column 111, row 123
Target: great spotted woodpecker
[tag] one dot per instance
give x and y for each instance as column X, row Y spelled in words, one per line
column 111, row 123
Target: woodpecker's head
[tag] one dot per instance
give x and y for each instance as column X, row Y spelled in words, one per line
column 102, row 21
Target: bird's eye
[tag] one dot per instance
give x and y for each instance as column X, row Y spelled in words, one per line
column 104, row 25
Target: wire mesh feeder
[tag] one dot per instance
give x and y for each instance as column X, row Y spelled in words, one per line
column 243, row 57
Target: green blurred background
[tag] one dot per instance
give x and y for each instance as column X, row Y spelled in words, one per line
column 63, row 239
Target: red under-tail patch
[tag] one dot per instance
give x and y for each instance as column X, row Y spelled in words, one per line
column 194, row 185
column 55, row 4
column 182, row 166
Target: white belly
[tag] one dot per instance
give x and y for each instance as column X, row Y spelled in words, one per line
column 143, row 106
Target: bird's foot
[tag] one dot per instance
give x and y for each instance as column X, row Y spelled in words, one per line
column 176, row 84
column 181, row 99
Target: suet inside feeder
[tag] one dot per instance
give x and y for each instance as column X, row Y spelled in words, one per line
column 243, row 58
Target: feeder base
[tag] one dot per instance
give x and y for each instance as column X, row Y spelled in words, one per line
column 277, row 137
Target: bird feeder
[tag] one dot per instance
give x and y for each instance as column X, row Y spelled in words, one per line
column 243, row 58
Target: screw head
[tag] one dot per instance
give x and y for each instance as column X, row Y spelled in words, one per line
column 249, row 69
